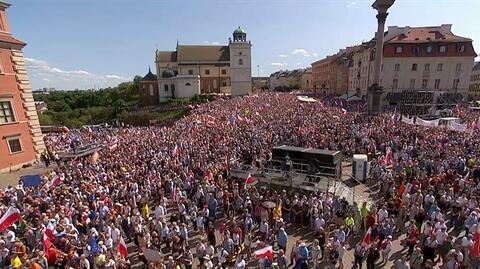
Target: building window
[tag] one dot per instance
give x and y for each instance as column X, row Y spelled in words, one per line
column 151, row 90
column 460, row 48
column 399, row 49
column 412, row 84
column 240, row 62
column 443, row 48
column 14, row 144
column 437, row 84
column 224, row 72
column 459, row 67
column 440, row 67
column 414, row 67
column 207, row 71
column 397, row 67
column 224, row 83
column 190, row 72
column 424, row 83
column 429, row 49
column 188, row 84
column 395, row 83
column 239, row 53
column 6, row 112
column 416, row 50
column 455, row 83
column 165, row 87
column 427, row 67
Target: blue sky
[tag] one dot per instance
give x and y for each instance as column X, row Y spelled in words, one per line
column 82, row 43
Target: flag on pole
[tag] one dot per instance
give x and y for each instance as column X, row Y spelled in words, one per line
column 55, row 181
column 475, row 249
column 344, row 111
column 389, row 157
column 266, row 252
column 11, row 216
column 249, row 179
column 113, row 144
column 367, row 239
column 49, row 231
column 122, row 248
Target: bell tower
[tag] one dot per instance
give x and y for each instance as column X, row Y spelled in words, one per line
column 240, row 63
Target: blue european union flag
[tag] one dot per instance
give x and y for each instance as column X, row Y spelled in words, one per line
column 94, row 247
column 31, row 180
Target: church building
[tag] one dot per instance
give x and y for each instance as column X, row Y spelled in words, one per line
column 190, row 70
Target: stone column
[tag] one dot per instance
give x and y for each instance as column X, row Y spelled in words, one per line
column 375, row 91
column 381, row 18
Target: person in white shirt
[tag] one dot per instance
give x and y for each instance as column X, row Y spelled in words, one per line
column 240, row 262
column 385, row 248
column 382, row 214
column 160, row 211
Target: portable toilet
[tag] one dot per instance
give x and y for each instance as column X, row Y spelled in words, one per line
column 360, row 167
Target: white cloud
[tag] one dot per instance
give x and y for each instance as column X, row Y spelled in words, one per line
column 279, row 64
column 282, row 55
column 352, row 3
column 41, row 73
column 113, row 76
column 303, row 52
column 211, row 43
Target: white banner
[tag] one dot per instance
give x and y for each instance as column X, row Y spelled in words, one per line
column 457, row 127
column 407, row 120
column 427, row 123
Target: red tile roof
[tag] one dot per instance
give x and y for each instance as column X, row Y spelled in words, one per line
column 426, row 34
column 10, row 39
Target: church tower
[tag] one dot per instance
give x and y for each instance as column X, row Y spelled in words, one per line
column 240, row 63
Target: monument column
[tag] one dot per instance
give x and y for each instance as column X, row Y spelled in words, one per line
column 375, row 91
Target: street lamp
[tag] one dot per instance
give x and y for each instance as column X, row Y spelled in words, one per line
column 375, row 91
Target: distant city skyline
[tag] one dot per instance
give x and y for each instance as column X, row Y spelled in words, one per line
column 85, row 44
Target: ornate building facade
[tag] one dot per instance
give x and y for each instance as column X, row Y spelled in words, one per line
column 21, row 140
column 197, row 69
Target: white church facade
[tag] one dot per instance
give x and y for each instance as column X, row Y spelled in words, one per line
column 190, row 70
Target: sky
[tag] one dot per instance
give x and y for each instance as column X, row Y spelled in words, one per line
column 98, row 43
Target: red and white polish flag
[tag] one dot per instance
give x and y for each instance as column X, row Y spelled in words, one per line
column 122, row 248
column 56, row 180
column 249, row 179
column 266, row 252
column 113, row 144
column 11, row 216
column 367, row 239
column 49, row 232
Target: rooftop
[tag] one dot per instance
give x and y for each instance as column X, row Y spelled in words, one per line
column 425, row 34
column 195, row 53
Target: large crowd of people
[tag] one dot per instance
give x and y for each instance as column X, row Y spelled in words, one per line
column 167, row 194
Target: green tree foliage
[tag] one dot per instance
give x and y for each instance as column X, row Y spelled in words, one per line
column 77, row 108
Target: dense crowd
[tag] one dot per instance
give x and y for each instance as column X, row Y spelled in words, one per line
column 167, row 193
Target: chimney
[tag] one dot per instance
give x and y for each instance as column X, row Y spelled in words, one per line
column 445, row 28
